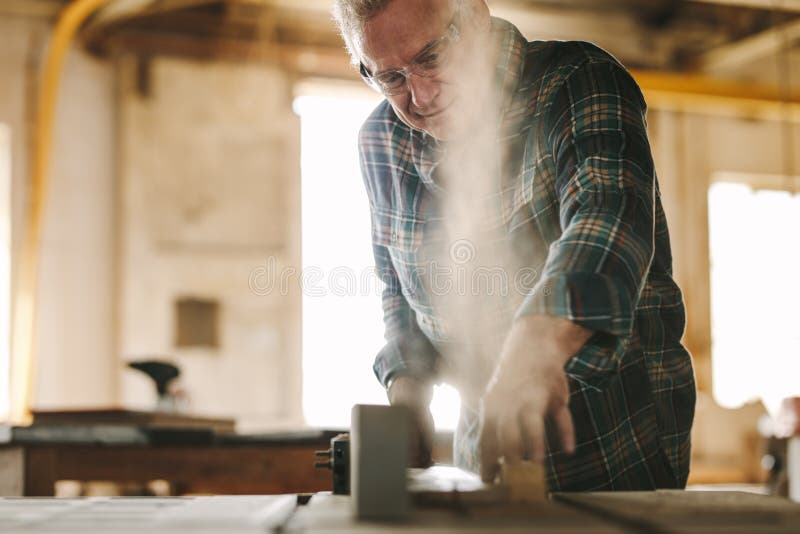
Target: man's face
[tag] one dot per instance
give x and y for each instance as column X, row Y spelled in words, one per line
column 396, row 37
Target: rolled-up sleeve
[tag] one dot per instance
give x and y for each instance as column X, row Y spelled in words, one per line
column 407, row 350
column 605, row 183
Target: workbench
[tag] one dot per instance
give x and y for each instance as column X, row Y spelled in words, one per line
column 192, row 462
column 593, row 513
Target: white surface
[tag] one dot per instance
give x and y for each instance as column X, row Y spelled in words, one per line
column 445, row 478
column 75, row 361
column 199, row 515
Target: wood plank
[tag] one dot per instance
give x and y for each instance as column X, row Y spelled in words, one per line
column 231, row 515
column 526, row 482
column 40, row 472
column 234, row 470
column 779, row 5
column 121, row 416
column 12, row 471
column 702, row 95
column 690, row 511
column 331, row 513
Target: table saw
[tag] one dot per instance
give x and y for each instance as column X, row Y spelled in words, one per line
column 664, row 511
column 386, row 496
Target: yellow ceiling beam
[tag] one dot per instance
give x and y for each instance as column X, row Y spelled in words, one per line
column 779, row 5
column 709, row 96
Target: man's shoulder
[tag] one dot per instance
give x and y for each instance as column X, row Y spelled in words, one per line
column 556, row 60
column 380, row 126
column 385, row 147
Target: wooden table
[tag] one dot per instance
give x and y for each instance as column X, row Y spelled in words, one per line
column 331, row 514
column 268, row 464
column 192, row 461
column 660, row 512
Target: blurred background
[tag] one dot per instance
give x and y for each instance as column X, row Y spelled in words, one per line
column 203, row 206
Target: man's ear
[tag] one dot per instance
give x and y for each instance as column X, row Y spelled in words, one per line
column 478, row 13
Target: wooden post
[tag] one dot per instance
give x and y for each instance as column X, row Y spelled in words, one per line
column 40, row 472
column 12, row 471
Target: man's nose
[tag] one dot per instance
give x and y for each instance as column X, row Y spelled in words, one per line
column 424, row 90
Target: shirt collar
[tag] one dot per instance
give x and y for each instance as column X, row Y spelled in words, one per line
column 427, row 152
column 510, row 61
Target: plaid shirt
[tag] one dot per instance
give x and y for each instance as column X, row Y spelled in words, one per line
column 579, row 205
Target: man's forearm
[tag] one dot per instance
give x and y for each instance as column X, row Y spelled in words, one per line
column 552, row 335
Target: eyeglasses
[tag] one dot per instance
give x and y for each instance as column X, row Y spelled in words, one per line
column 428, row 63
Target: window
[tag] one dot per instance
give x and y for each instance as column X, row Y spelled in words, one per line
column 342, row 317
column 755, row 288
column 5, row 270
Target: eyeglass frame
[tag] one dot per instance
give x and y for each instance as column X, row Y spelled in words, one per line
column 451, row 35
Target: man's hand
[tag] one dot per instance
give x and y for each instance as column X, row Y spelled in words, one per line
column 416, row 395
column 529, row 386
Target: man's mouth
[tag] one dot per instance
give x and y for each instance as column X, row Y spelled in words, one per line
column 432, row 114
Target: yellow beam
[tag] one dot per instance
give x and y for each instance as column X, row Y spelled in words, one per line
column 708, row 96
column 24, row 318
column 780, row 5
column 688, row 93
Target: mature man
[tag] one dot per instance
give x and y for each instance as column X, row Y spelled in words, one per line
column 543, row 146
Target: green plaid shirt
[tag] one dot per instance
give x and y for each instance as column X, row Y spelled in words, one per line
column 579, row 205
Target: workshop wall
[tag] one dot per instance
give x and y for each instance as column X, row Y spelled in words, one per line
column 75, row 319
column 690, row 150
column 209, row 202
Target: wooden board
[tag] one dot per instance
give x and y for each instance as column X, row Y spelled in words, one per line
column 119, row 416
column 331, row 514
column 135, row 515
column 443, row 485
column 690, row 511
column 447, row 486
column 236, row 469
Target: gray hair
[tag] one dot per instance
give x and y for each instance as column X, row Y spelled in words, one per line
column 352, row 15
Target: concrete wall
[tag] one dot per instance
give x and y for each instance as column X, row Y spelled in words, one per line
column 75, row 351
column 202, row 193
column 209, row 192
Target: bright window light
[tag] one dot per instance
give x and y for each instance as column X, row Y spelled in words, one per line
column 755, row 288
column 5, row 270
column 342, row 317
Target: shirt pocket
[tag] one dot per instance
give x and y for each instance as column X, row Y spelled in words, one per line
column 402, row 234
column 599, row 360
